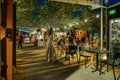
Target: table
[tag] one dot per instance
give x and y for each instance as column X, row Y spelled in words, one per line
column 97, row 52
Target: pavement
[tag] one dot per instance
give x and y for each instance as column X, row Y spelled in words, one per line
column 36, row 68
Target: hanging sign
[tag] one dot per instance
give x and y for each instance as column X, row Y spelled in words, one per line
column 112, row 12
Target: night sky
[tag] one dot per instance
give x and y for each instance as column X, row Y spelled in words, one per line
column 111, row 2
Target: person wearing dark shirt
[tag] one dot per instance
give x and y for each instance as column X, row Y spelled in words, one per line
column 20, row 40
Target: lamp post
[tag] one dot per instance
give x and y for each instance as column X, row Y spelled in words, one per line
column 101, row 28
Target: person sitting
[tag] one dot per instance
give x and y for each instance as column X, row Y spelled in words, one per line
column 71, row 41
column 61, row 45
column 84, row 46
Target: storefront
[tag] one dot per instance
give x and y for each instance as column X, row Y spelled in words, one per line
column 113, row 26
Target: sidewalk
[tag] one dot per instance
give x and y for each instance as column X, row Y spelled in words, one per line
column 36, row 68
column 86, row 74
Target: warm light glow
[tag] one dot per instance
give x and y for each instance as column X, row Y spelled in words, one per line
column 104, row 57
column 97, row 16
column 77, row 23
column 54, row 29
column 86, row 20
column 2, row 32
column 117, row 20
column 70, row 25
column 112, row 21
column 57, row 28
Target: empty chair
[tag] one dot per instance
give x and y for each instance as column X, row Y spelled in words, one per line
column 70, row 51
column 115, row 61
column 86, row 57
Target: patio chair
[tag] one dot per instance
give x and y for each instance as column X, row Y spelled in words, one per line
column 86, row 57
column 112, row 62
column 70, row 51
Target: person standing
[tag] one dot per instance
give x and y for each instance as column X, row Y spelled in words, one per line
column 20, row 40
column 50, row 51
column 17, row 39
column 45, row 36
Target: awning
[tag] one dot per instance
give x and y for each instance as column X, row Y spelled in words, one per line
column 94, row 4
column 114, row 5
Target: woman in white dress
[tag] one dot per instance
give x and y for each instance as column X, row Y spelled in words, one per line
column 50, row 51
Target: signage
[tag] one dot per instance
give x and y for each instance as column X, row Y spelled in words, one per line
column 112, row 12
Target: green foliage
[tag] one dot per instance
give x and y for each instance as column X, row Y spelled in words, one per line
column 53, row 13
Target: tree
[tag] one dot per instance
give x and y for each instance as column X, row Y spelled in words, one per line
column 35, row 13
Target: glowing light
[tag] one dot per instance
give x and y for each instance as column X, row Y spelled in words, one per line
column 113, row 11
column 97, row 16
column 86, row 20
column 104, row 57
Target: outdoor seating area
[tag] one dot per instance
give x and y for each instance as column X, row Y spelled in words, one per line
column 73, row 70
column 115, row 61
column 59, row 40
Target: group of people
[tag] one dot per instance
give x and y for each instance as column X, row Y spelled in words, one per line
column 63, row 42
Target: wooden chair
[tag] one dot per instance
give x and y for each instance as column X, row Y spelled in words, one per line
column 86, row 57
